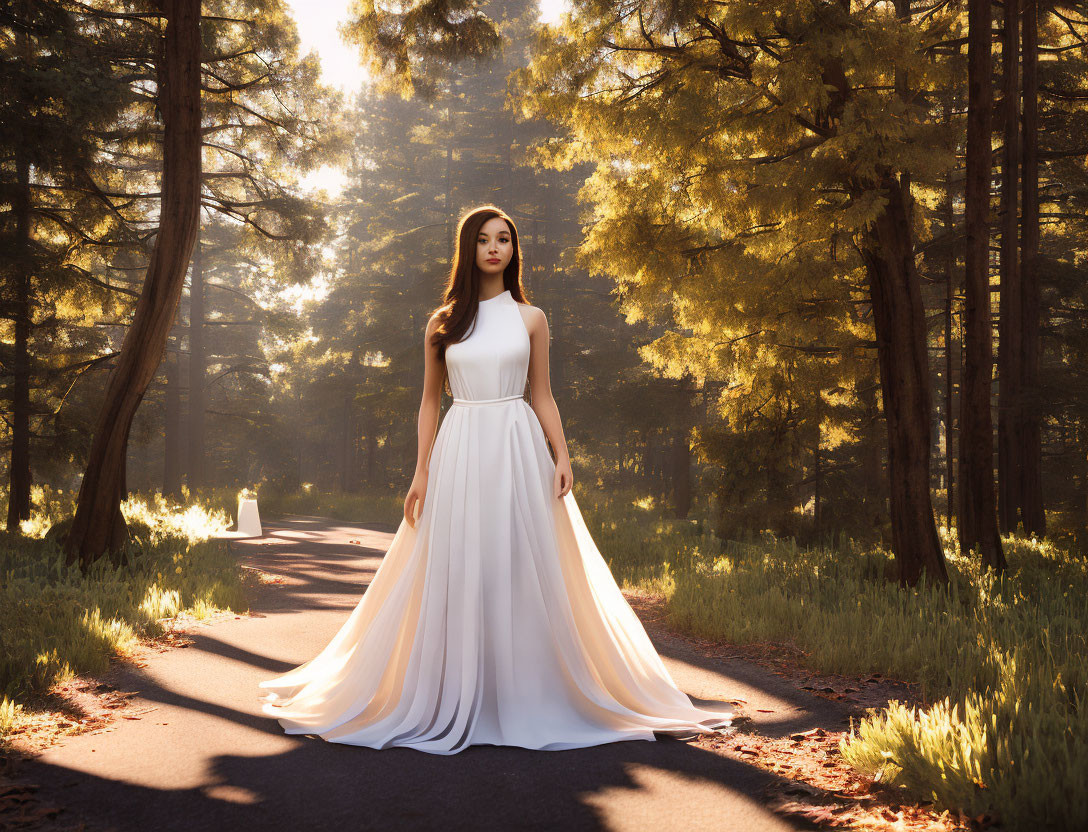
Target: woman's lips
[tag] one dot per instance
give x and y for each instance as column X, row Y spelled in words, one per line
column 494, row 260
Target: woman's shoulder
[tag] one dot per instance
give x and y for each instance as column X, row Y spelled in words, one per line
column 437, row 318
column 533, row 315
column 526, row 305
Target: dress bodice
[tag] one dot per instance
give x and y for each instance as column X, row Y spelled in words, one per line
column 492, row 360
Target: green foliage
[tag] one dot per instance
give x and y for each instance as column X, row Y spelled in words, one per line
column 1010, row 730
column 79, row 111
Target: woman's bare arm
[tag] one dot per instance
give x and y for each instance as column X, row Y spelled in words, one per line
column 540, row 385
column 434, row 374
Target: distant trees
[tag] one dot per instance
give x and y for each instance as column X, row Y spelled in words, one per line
column 417, row 162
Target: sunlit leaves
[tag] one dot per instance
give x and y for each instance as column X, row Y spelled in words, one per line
column 735, row 146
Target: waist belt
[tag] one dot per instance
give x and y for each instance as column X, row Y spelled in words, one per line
column 513, row 398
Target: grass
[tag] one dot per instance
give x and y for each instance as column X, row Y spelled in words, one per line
column 56, row 622
column 1002, row 660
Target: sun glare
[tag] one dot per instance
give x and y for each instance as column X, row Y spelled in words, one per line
column 551, row 9
column 317, row 22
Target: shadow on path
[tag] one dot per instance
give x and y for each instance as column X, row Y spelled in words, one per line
column 665, row 784
column 203, row 756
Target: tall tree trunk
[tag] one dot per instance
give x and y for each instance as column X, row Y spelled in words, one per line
column 875, row 497
column 371, row 452
column 198, row 364
column 347, row 442
column 899, row 320
column 451, row 220
column 657, row 465
column 817, row 488
column 19, row 469
column 383, row 456
column 171, row 474
column 681, row 473
column 300, row 438
column 949, row 364
column 978, row 524
column 1034, row 516
column 680, row 462
column 1009, row 370
column 98, row 525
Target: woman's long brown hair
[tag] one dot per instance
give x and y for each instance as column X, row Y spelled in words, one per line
column 461, row 297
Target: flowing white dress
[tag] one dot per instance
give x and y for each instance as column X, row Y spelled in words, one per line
column 495, row 620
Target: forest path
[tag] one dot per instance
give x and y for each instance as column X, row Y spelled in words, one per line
column 193, row 751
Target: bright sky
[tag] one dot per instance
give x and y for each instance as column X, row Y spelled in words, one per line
column 317, row 22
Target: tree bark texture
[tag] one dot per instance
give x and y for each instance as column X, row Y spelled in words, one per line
column 171, row 475
column 978, row 521
column 19, row 477
column 1033, row 513
column 98, row 526
column 198, row 364
column 899, row 320
column 1009, row 358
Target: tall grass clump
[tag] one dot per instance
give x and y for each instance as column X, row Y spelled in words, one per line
column 56, row 621
column 1009, row 733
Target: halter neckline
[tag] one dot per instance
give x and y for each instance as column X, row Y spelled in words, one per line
column 499, row 295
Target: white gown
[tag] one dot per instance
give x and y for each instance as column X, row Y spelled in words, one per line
column 495, row 620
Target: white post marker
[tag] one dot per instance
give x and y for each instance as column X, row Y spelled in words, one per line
column 249, row 519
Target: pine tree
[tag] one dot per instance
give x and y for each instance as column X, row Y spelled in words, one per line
column 753, row 183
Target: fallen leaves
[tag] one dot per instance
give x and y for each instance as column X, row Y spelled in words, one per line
column 80, row 705
column 259, row 577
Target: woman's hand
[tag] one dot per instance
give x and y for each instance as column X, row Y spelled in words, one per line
column 417, row 491
column 564, row 478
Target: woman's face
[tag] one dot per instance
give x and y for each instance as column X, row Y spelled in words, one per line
column 494, row 246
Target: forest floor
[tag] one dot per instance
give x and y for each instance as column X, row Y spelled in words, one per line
column 173, row 738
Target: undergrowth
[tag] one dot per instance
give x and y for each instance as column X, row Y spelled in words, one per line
column 57, row 621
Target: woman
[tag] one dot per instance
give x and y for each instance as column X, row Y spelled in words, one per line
column 493, row 619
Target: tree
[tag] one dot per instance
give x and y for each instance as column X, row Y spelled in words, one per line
column 767, row 196
column 1031, row 461
column 48, row 125
column 98, row 525
column 1010, row 355
column 82, row 115
column 978, row 520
